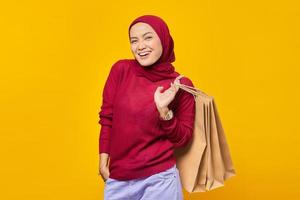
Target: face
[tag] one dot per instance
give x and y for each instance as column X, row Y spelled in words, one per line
column 145, row 44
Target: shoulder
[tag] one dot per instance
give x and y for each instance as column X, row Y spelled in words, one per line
column 184, row 95
column 121, row 65
column 118, row 67
column 186, row 81
column 185, row 100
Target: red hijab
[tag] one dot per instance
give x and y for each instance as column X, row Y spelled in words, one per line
column 162, row 68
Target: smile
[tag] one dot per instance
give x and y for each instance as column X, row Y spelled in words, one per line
column 144, row 54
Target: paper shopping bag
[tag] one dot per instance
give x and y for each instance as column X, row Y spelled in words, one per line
column 205, row 163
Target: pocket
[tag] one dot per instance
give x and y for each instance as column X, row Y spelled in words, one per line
column 108, row 180
column 168, row 174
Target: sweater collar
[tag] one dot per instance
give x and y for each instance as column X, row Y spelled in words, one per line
column 155, row 72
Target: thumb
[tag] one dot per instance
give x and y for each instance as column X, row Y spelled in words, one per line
column 160, row 88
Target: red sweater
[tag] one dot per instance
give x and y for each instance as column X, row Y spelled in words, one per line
column 138, row 142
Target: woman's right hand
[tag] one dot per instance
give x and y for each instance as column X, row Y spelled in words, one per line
column 104, row 172
column 104, row 166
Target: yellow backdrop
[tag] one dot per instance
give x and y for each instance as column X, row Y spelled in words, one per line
column 55, row 58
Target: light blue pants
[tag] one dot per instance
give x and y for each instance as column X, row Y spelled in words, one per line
column 164, row 185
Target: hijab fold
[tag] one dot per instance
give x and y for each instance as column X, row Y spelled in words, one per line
column 162, row 68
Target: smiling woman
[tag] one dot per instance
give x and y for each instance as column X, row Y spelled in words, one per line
column 141, row 123
column 145, row 44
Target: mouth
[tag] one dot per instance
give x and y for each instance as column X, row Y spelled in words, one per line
column 144, row 55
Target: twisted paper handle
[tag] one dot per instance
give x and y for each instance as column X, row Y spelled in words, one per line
column 194, row 91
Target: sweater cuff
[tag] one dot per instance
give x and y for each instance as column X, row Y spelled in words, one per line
column 168, row 126
column 167, row 123
column 104, row 147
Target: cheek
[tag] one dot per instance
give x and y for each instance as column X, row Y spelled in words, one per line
column 132, row 48
column 158, row 48
column 157, row 45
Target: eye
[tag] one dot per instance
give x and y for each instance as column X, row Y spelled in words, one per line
column 148, row 37
column 133, row 41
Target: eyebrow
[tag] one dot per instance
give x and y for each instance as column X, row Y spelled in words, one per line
column 143, row 35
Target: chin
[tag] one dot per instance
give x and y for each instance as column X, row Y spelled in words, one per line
column 146, row 62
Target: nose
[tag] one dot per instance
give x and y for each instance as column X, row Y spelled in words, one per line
column 141, row 45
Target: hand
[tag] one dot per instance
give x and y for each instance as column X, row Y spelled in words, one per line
column 104, row 172
column 162, row 100
column 104, row 166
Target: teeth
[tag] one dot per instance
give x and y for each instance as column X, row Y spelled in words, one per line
column 143, row 54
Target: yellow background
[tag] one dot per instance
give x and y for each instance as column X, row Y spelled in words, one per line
column 55, row 58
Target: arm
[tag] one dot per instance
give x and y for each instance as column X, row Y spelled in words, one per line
column 106, row 113
column 180, row 128
column 104, row 165
column 104, row 157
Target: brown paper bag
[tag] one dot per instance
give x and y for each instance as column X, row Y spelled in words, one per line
column 205, row 163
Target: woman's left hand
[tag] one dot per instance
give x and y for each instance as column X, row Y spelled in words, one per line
column 162, row 100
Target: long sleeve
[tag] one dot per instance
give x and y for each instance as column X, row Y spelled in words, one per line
column 180, row 128
column 106, row 112
column 138, row 144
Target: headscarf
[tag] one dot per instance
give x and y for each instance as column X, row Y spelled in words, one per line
column 162, row 68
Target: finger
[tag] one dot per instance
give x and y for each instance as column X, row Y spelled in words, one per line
column 173, row 89
column 177, row 81
column 159, row 89
column 179, row 77
column 176, row 87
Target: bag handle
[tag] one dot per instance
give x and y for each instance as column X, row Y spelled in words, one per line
column 194, row 91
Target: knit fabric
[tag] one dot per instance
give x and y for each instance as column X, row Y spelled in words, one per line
column 138, row 142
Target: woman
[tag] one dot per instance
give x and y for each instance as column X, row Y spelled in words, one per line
column 144, row 116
